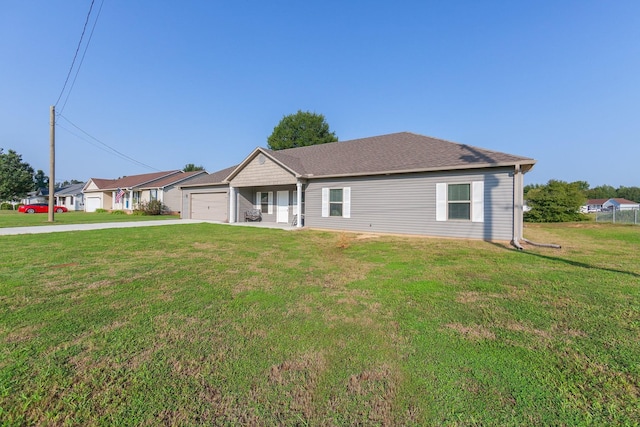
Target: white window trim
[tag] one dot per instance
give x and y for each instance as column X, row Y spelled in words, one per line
column 346, row 201
column 259, row 201
column 476, row 201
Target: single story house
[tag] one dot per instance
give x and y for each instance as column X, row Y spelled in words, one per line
column 397, row 183
column 70, row 197
column 127, row 192
column 593, row 205
column 619, row 204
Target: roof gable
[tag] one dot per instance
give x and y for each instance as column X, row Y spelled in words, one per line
column 261, row 168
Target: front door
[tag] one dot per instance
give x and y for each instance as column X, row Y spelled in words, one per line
column 282, row 214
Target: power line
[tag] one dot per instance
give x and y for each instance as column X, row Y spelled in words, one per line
column 76, row 54
column 86, row 47
column 102, row 146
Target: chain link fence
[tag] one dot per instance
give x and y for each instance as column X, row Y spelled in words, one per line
column 619, row 217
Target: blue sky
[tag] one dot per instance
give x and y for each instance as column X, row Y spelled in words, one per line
column 169, row 83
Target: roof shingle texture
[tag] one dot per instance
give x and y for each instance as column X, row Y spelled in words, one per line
column 396, row 152
column 131, row 181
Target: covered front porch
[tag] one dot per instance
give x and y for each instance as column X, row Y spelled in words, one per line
column 269, row 189
column 273, row 204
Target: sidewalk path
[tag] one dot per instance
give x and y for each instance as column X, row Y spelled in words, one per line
column 97, row 226
column 11, row 231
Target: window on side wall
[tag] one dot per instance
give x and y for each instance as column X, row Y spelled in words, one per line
column 336, row 202
column 460, row 201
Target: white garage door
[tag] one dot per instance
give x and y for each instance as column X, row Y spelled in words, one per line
column 91, row 204
column 211, row 206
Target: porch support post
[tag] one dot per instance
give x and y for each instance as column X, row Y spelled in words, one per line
column 232, row 204
column 299, row 203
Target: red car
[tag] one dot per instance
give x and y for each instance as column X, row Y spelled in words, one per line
column 40, row 208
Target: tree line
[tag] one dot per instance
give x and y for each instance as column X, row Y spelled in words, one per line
column 560, row 201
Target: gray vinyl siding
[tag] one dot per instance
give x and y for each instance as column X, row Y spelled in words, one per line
column 186, row 196
column 407, row 204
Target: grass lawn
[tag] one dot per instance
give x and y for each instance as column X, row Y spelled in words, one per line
column 212, row 324
column 17, row 219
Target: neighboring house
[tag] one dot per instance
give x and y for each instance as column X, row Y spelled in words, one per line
column 397, row 183
column 620, row 205
column 126, row 193
column 39, row 196
column 70, row 197
column 593, row 205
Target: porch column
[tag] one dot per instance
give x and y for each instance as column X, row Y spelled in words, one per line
column 299, row 203
column 232, row 204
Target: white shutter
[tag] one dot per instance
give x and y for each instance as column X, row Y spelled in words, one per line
column 325, row 202
column 258, row 200
column 270, row 209
column 477, row 201
column 441, row 201
column 346, row 202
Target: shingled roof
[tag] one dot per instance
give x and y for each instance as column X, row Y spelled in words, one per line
column 171, row 179
column 213, row 178
column 131, row 181
column 393, row 153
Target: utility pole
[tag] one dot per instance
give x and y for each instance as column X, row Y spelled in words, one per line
column 52, row 162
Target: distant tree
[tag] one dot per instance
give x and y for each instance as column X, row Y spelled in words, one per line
column 16, row 176
column 300, row 130
column 601, row 192
column 558, row 201
column 629, row 193
column 190, row 167
column 582, row 186
column 66, row 183
column 40, row 180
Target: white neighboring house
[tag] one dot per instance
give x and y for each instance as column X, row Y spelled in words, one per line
column 71, row 197
column 620, row 205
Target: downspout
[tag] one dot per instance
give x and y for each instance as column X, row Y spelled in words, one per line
column 518, row 201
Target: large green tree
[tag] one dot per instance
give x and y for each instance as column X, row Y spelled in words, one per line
column 557, row 201
column 300, row 130
column 16, row 176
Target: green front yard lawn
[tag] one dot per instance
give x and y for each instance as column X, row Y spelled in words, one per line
column 212, row 324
